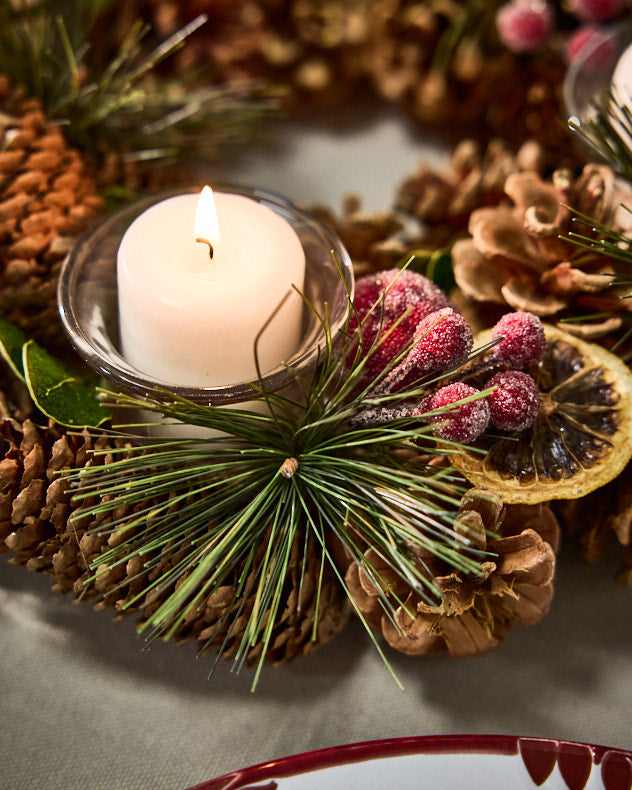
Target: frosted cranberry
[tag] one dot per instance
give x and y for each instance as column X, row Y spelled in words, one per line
column 515, row 404
column 411, row 289
column 367, row 291
column 524, row 25
column 465, row 422
column 442, row 338
column 597, row 10
column 522, row 339
column 403, row 291
column 585, row 36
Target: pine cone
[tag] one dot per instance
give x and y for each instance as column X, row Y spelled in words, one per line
column 415, row 61
column 375, row 241
column 35, row 525
column 35, row 500
column 315, row 47
column 477, row 611
column 301, row 613
column 444, row 199
column 598, row 525
column 47, row 197
column 310, row 49
column 514, row 255
column 431, row 206
column 443, row 62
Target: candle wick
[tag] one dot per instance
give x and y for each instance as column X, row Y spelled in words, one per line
column 210, row 246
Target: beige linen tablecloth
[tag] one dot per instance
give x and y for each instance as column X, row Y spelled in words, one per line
column 86, row 704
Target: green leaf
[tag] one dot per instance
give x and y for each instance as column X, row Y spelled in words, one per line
column 58, row 392
column 439, row 270
column 11, row 341
column 436, row 265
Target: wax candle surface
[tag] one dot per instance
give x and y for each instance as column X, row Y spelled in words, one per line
column 188, row 320
column 622, row 77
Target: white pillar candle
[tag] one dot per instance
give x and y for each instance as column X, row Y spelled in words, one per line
column 191, row 320
column 622, row 78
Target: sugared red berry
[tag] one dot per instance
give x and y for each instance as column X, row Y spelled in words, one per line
column 521, row 337
column 463, row 423
column 402, row 290
column 599, row 11
column 411, row 289
column 524, row 26
column 515, row 404
column 442, row 338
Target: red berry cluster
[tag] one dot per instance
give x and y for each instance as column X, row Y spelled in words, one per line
column 432, row 338
column 380, row 301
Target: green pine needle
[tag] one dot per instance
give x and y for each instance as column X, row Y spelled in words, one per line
column 608, row 132
column 231, row 510
column 605, row 241
column 599, row 239
column 52, row 49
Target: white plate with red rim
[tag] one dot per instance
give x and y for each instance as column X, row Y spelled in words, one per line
column 441, row 762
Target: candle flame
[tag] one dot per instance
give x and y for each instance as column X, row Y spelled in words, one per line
column 206, row 226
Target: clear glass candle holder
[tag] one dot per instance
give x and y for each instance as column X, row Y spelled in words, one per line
column 589, row 75
column 87, row 297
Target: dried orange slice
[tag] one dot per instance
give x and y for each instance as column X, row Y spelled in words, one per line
column 582, row 437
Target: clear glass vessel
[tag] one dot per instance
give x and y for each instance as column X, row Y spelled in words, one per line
column 87, row 298
column 589, row 75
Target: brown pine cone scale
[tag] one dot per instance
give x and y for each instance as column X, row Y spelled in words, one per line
column 47, row 197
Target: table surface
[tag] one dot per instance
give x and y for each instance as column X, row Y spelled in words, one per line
column 87, row 704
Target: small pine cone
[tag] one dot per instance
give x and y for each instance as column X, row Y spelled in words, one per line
column 526, row 105
column 35, row 500
column 312, row 50
column 476, row 611
column 47, row 197
column 443, row 200
column 375, row 241
column 600, row 519
column 305, row 620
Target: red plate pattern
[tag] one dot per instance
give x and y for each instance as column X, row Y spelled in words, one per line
column 539, row 755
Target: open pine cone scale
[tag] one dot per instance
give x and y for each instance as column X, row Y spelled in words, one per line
column 515, row 256
column 47, row 197
column 515, row 584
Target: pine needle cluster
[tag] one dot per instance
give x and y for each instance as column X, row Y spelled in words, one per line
column 109, row 94
column 607, row 131
column 616, row 245
column 304, row 467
